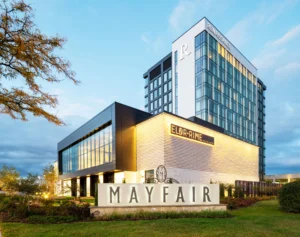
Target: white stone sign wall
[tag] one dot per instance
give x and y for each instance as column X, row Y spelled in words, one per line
column 114, row 195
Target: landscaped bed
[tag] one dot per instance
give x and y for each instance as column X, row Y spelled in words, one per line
column 262, row 219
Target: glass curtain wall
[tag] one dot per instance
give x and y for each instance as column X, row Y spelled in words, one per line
column 160, row 93
column 225, row 89
column 91, row 151
column 261, row 129
column 176, row 82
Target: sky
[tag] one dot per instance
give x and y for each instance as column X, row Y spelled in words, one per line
column 112, row 43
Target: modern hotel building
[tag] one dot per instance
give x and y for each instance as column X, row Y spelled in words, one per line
column 204, row 122
column 207, row 77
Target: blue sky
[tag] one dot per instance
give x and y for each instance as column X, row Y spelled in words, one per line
column 112, row 43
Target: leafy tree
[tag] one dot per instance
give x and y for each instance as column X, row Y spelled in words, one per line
column 50, row 177
column 30, row 184
column 9, row 177
column 26, row 53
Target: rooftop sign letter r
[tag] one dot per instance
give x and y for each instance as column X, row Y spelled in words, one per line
column 183, row 51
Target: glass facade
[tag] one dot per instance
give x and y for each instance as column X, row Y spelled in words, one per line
column 158, row 92
column 225, row 89
column 261, row 126
column 91, row 151
column 176, row 82
column 227, row 94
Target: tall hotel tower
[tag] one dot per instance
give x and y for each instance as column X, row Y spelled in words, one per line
column 207, row 76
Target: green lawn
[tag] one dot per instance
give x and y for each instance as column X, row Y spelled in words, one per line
column 263, row 219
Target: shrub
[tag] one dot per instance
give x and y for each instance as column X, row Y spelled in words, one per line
column 143, row 215
column 238, row 192
column 37, row 219
column 229, row 190
column 222, row 190
column 68, row 209
column 235, row 203
column 87, row 199
column 289, row 197
column 47, row 202
column 17, row 210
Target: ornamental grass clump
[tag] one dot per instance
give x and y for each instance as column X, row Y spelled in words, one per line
column 289, row 197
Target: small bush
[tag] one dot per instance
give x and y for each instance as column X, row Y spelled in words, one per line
column 143, row 215
column 38, row 219
column 81, row 212
column 17, row 210
column 87, row 199
column 47, row 202
column 238, row 192
column 222, row 190
column 235, row 203
column 229, row 190
column 289, row 197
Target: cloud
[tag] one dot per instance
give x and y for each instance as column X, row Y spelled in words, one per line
column 85, row 107
column 275, row 52
column 290, row 110
column 27, row 158
column 158, row 45
column 184, row 13
column 291, row 34
column 265, row 14
column 31, row 145
column 288, row 69
column 145, row 38
column 268, row 58
column 155, row 46
column 283, row 138
column 181, row 14
column 295, row 143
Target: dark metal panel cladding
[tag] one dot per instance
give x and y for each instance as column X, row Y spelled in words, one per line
column 125, row 120
column 167, row 64
column 155, row 72
column 89, row 171
column 100, row 119
column 206, row 124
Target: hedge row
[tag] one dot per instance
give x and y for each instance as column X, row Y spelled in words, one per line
column 143, row 215
column 235, row 203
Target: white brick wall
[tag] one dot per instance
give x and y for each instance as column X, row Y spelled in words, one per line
column 150, row 143
column 189, row 161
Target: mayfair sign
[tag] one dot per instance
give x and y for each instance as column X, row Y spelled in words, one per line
column 114, row 195
column 218, row 35
column 190, row 134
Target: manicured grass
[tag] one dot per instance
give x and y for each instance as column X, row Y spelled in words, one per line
column 262, row 219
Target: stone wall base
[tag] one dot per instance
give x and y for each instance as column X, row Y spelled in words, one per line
column 100, row 211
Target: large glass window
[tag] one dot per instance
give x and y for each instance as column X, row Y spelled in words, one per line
column 225, row 89
column 92, row 151
column 165, row 88
column 165, row 77
column 176, row 83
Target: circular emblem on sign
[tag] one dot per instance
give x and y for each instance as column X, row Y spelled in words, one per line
column 161, row 173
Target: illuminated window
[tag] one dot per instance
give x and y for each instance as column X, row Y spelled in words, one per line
column 86, row 153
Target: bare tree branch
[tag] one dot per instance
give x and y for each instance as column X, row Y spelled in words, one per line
column 26, row 52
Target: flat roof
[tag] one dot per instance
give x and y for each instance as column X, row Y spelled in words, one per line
column 156, row 64
column 220, row 32
column 200, row 122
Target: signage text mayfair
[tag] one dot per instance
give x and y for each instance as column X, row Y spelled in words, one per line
column 190, row 134
column 157, row 194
